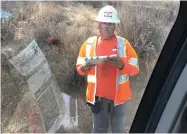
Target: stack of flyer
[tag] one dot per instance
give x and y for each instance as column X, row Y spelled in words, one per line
column 98, row 59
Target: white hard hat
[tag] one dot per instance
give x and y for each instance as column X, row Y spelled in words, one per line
column 107, row 14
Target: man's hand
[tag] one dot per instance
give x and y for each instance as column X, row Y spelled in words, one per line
column 116, row 62
column 86, row 67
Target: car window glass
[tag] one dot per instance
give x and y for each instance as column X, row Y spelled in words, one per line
column 41, row 90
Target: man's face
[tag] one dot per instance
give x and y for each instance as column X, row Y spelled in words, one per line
column 106, row 30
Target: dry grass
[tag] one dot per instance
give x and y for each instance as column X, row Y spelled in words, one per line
column 69, row 26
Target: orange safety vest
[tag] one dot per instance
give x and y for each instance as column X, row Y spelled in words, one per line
column 123, row 90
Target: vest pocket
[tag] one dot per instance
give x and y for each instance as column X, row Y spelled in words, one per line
column 124, row 92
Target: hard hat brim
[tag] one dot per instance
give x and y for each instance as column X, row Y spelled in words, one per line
column 117, row 21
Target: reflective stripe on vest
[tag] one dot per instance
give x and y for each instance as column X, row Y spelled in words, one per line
column 89, row 43
column 91, row 78
column 123, row 78
column 133, row 62
column 121, row 53
column 121, row 47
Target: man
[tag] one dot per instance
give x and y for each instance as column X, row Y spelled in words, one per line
column 108, row 83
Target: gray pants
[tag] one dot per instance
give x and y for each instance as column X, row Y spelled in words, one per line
column 109, row 113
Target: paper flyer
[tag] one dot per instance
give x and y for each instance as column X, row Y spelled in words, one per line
column 98, row 59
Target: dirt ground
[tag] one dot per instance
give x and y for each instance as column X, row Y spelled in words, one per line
column 26, row 117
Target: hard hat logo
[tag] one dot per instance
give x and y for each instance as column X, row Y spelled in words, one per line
column 107, row 14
